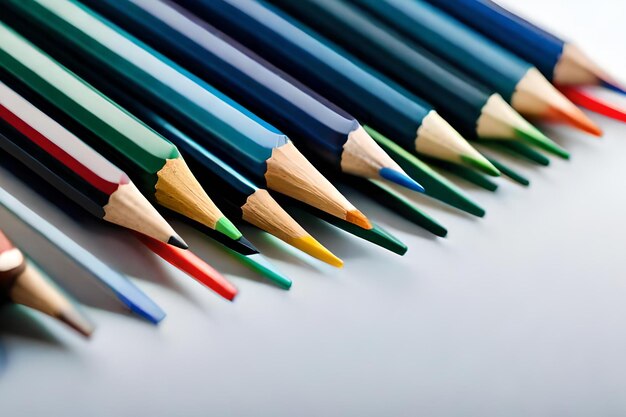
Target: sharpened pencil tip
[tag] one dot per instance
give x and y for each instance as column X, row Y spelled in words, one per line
column 309, row 245
column 575, row 118
column 358, row 218
column 535, row 137
column 77, row 322
column 262, row 265
column 177, row 241
column 225, row 226
column 400, row 178
column 612, row 86
column 481, row 164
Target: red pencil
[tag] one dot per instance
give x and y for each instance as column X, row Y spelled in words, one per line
column 188, row 262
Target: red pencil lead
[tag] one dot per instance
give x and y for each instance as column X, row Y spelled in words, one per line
column 192, row 265
column 595, row 104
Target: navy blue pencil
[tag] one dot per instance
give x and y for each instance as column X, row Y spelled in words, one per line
column 375, row 100
column 560, row 61
column 315, row 124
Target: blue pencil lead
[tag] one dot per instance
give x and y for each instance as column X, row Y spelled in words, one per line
column 400, row 178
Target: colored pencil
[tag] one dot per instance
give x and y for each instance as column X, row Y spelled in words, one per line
column 257, row 147
column 23, row 283
column 474, row 110
column 98, row 185
column 316, row 125
column 517, row 81
column 238, row 196
column 190, row 263
column 368, row 95
column 560, row 61
column 161, row 173
column 131, row 296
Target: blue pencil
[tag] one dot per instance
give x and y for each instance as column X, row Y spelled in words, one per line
column 374, row 99
column 560, row 61
column 316, row 125
column 125, row 291
column 517, row 81
column 235, row 134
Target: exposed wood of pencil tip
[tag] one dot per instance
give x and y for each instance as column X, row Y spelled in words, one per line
column 28, row 287
column 574, row 67
column 534, row 96
column 438, row 139
column 265, row 213
column 127, row 207
column 363, row 157
column 498, row 120
column 290, row 173
column 178, row 190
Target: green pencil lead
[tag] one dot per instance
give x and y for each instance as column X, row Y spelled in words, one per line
column 481, row 164
column 535, row 137
column 510, row 173
column 226, row 227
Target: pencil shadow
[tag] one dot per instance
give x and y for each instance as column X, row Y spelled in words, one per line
column 16, row 321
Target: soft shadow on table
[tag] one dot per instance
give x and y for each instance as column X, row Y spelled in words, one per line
column 17, row 322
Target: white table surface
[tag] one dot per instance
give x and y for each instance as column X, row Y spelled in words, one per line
column 521, row 313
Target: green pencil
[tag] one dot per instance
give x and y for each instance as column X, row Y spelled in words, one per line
column 154, row 163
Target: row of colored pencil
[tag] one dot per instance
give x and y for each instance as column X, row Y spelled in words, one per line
column 192, row 105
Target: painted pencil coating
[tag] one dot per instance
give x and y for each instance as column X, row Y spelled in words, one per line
column 156, row 163
column 320, row 66
column 460, row 100
column 370, row 96
column 35, row 68
column 242, row 138
column 486, row 61
column 87, row 172
column 163, row 80
column 125, row 291
column 316, row 124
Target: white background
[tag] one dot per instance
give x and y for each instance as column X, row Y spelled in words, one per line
column 521, row 313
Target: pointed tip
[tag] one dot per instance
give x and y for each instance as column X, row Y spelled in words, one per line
column 575, row 118
column 309, row 245
column 177, row 241
column 225, row 226
column 358, row 218
column 263, row 266
column 242, row 241
column 535, row 137
column 482, row 164
column 400, row 178
column 77, row 322
column 612, row 85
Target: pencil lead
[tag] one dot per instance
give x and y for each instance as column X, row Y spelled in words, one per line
column 358, row 218
column 311, row 246
column 226, row 227
column 178, row 241
column 481, row 164
column 400, row 178
column 574, row 117
column 76, row 321
column 534, row 136
column 261, row 264
column 611, row 85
